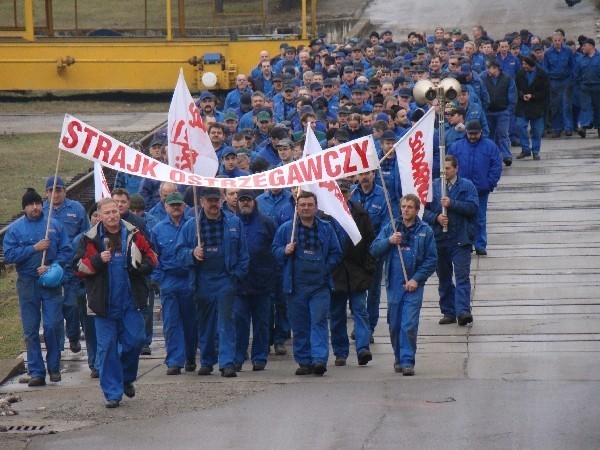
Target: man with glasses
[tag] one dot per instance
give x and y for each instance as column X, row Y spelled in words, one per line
column 480, row 162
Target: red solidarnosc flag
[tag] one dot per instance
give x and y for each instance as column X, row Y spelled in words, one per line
column 100, row 185
column 189, row 147
column 414, row 153
column 329, row 197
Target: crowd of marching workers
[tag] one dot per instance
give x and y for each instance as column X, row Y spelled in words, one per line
column 270, row 262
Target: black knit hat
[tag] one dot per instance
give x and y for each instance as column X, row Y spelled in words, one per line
column 30, row 196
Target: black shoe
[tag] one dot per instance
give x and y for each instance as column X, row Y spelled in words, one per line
column 364, row 357
column 569, row 133
column 258, row 367
column 280, row 349
column 515, row 144
column 353, row 336
column 480, row 252
column 372, row 339
column 397, row 367
column 36, row 381
column 190, row 366
column 537, row 157
column 94, row 373
column 129, row 390
column 581, row 132
column 507, row 161
column 174, row 370
column 303, row 370
column 112, row 403
column 75, row 345
column 55, row 377
column 237, row 367
column 340, row 361
column 205, row 370
column 446, row 320
column 146, row 351
column 408, row 371
column 556, row 134
column 228, row 372
column 523, row 155
column 464, row 319
column 319, row 368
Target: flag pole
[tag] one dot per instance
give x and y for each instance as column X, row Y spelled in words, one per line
column 196, row 216
column 389, row 206
column 295, row 216
column 50, row 207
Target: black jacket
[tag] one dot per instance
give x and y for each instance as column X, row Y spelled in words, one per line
column 354, row 272
column 88, row 264
column 539, row 90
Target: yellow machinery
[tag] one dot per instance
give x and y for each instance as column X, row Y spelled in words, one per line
column 41, row 58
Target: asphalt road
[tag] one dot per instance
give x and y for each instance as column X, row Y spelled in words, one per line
column 540, row 17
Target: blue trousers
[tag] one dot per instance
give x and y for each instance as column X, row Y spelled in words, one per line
column 455, row 299
column 255, row 309
column 374, row 296
column 37, row 303
column 89, row 331
column 278, row 316
column 481, row 239
column 561, row 105
column 404, row 310
column 338, row 322
column 179, row 321
column 499, row 123
column 119, row 344
column 533, row 128
column 214, row 304
column 70, row 308
column 589, row 115
column 308, row 310
column 148, row 313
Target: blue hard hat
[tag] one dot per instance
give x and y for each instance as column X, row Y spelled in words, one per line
column 53, row 276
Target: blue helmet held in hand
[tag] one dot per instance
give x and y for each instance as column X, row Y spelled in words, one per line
column 53, row 276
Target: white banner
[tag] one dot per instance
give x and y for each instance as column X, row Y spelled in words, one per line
column 100, row 185
column 344, row 160
column 414, row 153
column 189, row 147
column 329, row 197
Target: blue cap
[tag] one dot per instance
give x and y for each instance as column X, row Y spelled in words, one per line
column 388, row 135
column 59, row 182
column 228, row 151
column 206, row 94
column 430, row 39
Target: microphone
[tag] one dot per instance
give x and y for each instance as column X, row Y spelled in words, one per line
column 107, row 243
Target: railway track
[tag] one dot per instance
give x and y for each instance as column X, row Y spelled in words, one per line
column 80, row 188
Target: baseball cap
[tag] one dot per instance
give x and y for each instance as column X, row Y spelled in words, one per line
column 389, row 135
column 210, row 192
column 263, row 116
column 174, row 198
column 246, row 193
column 473, row 126
column 50, row 182
column 228, row 151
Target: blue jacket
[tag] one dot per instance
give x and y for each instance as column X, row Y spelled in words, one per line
column 24, row 233
column 262, row 276
column 129, row 182
column 559, row 64
column 475, row 112
column 462, row 213
column 234, row 241
column 270, row 204
column 480, row 90
column 270, row 154
column 71, row 214
column 164, row 240
column 425, row 253
column 391, row 175
column 509, row 65
column 373, row 203
column 330, row 246
column 480, row 163
column 149, row 189
column 587, row 72
column 478, row 62
column 453, row 135
column 233, row 99
column 233, row 173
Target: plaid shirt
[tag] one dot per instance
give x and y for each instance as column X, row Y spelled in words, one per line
column 211, row 231
column 308, row 237
column 408, row 234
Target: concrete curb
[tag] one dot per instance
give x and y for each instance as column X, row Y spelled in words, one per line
column 10, row 367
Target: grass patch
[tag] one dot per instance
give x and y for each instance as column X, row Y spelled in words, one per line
column 11, row 332
column 27, row 160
